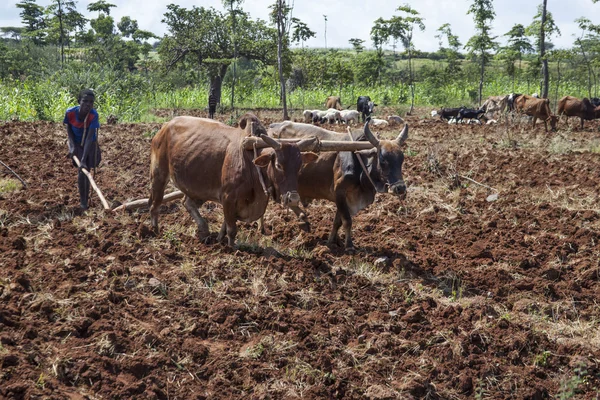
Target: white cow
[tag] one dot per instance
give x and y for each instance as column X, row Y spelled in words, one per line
column 380, row 123
column 349, row 116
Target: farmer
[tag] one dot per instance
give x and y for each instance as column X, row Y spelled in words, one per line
column 82, row 130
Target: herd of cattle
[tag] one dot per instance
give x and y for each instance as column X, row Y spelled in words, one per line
column 532, row 106
column 335, row 113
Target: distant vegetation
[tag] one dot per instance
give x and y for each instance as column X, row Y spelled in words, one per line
column 57, row 52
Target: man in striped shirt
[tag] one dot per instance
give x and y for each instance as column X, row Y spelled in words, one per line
column 82, row 131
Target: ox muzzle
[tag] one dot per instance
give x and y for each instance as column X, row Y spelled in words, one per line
column 291, row 199
column 397, row 189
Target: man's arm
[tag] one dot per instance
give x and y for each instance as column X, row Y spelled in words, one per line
column 88, row 146
column 71, row 139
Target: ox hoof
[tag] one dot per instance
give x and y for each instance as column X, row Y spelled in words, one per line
column 304, row 225
column 146, row 232
column 350, row 250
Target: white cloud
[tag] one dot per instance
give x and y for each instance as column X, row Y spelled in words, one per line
column 354, row 19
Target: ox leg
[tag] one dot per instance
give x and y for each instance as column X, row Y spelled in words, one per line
column 229, row 226
column 192, row 206
column 159, row 183
column 342, row 217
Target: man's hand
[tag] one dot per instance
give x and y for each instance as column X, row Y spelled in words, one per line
column 83, row 166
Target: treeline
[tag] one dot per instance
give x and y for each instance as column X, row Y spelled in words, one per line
column 254, row 63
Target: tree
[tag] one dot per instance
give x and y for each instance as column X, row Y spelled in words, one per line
column 101, row 6
column 518, row 44
column 281, row 16
column 233, row 6
column 379, row 36
column 589, row 35
column 480, row 44
column 357, row 44
column 200, row 38
column 64, row 19
column 403, row 27
column 451, row 53
column 32, row 16
column 542, row 27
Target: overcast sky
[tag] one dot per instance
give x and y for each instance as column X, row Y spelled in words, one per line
column 354, row 18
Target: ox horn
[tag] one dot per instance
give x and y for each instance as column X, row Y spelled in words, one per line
column 403, row 135
column 271, row 142
column 307, row 144
column 370, row 137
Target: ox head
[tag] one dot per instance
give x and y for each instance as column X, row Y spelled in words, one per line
column 385, row 165
column 282, row 165
column 251, row 125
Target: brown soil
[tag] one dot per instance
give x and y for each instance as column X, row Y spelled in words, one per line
column 448, row 296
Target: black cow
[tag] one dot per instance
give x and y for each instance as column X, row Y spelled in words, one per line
column 449, row 113
column 595, row 101
column 365, row 106
column 470, row 113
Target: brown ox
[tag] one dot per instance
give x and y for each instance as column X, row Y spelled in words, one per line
column 334, row 102
column 570, row 106
column 339, row 177
column 206, row 161
column 537, row 108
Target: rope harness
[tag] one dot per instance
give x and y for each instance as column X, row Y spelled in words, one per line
column 260, row 177
column 362, row 164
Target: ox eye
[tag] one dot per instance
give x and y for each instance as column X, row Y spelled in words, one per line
column 278, row 166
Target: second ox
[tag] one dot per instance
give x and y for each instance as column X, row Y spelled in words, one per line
column 340, row 178
column 206, row 160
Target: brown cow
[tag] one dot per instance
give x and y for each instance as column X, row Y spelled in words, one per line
column 537, row 108
column 205, row 159
column 339, row 177
column 334, row 102
column 570, row 106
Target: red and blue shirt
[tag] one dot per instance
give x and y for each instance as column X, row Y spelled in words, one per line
column 78, row 126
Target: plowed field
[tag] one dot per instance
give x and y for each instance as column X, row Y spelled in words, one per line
column 483, row 283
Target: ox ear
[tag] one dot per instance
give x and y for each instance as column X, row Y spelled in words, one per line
column 243, row 123
column 309, row 157
column 263, row 160
column 403, row 135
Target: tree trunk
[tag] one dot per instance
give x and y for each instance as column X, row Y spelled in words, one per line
column 280, row 31
column 481, row 76
column 557, row 85
column 62, row 41
column 235, row 53
column 589, row 68
column 545, row 74
column 412, row 81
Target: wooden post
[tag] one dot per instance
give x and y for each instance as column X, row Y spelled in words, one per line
column 89, row 176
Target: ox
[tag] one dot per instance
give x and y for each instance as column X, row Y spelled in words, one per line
column 339, row 177
column 570, row 106
column 334, row 102
column 537, row 108
column 205, row 159
column 495, row 104
column 365, row 106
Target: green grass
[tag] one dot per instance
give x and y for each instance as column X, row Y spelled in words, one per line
column 9, row 185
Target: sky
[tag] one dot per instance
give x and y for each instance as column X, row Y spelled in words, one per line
column 349, row 19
